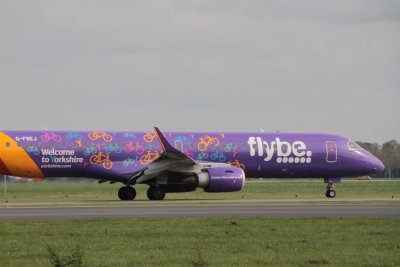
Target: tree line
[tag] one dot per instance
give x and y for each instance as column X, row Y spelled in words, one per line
column 388, row 153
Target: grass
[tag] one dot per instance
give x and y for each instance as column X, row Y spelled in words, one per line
column 202, row 242
column 257, row 189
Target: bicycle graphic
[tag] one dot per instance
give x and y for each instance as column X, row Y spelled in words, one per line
column 236, row 163
column 218, row 155
column 202, row 156
column 183, row 139
column 149, row 137
column 113, row 148
column 73, row 135
column 133, row 146
column 102, row 158
column 207, row 141
column 33, row 149
column 46, row 137
column 149, row 157
column 129, row 135
column 229, row 147
column 97, row 135
column 90, row 150
column 128, row 162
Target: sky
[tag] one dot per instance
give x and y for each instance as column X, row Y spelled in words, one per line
column 289, row 66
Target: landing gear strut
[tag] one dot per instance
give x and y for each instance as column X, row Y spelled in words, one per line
column 127, row 193
column 156, row 193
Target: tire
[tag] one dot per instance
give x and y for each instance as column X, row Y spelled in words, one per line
column 127, row 193
column 156, row 193
column 330, row 194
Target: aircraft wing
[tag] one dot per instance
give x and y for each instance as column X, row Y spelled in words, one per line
column 171, row 159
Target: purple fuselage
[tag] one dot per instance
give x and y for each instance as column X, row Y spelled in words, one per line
column 116, row 156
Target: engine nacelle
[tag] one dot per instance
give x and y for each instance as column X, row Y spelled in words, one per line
column 222, row 179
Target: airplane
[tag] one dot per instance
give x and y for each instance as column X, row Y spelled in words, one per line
column 182, row 161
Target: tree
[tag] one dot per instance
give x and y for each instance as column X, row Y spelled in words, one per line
column 390, row 156
column 388, row 153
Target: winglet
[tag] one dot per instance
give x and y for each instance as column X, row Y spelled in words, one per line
column 164, row 143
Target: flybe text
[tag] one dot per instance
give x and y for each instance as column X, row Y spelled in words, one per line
column 286, row 152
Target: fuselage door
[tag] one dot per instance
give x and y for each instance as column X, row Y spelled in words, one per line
column 331, row 151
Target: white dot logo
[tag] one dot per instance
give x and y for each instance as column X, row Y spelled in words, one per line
column 305, row 159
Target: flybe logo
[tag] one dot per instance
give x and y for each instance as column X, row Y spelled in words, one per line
column 286, row 152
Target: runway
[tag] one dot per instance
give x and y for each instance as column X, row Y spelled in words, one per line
column 173, row 211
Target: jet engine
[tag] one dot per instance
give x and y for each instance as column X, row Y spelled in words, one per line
column 221, row 179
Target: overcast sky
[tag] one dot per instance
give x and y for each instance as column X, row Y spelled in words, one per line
column 324, row 66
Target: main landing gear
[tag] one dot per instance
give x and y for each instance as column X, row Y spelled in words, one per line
column 153, row 193
column 127, row 193
column 330, row 193
column 156, row 193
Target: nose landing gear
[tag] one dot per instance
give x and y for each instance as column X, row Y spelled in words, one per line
column 330, row 193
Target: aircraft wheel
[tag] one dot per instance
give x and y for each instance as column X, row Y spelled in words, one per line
column 330, row 194
column 127, row 193
column 155, row 193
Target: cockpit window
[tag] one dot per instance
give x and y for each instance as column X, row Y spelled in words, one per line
column 353, row 146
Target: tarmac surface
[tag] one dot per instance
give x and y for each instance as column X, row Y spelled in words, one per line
column 201, row 201
column 201, row 210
